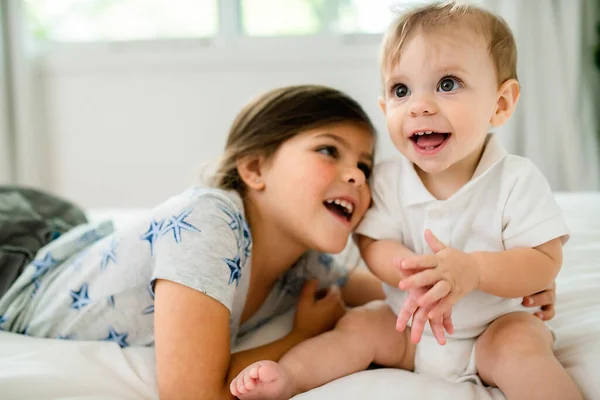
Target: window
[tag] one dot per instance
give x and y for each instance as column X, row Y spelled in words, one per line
column 118, row 20
column 129, row 20
column 306, row 17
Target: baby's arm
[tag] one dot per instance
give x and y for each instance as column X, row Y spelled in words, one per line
column 453, row 273
column 379, row 255
column 519, row 272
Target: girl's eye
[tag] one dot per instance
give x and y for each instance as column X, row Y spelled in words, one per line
column 330, row 151
column 401, row 90
column 449, row 84
column 366, row 169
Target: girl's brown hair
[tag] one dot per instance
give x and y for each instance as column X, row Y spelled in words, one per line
column 268, row 121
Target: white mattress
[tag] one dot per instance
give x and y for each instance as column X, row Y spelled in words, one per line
column 33, row 368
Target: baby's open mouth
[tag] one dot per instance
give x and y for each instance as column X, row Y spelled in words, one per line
column 429, row 140
column 340, row 207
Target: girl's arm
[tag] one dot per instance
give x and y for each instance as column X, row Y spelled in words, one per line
column 191, row 333
column 193, row 354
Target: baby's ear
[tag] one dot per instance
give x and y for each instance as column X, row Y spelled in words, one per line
column 508, row 95
column 250, row 171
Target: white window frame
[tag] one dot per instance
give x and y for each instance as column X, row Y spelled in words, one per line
column 229, row 44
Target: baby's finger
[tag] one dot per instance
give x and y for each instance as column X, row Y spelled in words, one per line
column 438, row 330
column 444, row 306
column 447, row 321
column 418, row 325
column 408, row 309
column 428, row 277
column 437, row 292
column 427, row 261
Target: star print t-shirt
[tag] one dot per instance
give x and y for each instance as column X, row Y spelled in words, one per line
column 94, row 283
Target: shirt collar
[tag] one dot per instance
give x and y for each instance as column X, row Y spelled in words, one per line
column 412, row 190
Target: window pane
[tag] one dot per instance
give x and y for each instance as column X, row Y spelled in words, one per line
column 114, row 20
column 282, row 17
column 370, row 16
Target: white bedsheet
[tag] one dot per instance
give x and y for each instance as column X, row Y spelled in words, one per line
column 33, row 368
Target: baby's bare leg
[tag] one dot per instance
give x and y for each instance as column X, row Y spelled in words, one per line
column 515, row 354
column 364, row 335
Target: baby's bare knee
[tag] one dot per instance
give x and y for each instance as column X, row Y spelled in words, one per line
column 365, row 320
column 514, row 336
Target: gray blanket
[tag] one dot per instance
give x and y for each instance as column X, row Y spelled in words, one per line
column 30, row 219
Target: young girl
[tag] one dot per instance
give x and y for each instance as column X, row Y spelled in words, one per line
column 210, row 265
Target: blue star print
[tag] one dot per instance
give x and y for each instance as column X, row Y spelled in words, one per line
column 151, row 290
column 3, row 319
column 80, row 298
column 234, row 223
column 44, row 265
column 235, row 271
column 118, row 338
column 326, row 260
column 237, row 221
column 153, row 233
column 177, row 223
column 292, row 284
column 36, row 287
column 109, row 255
column 247, row 239
column 148, row 310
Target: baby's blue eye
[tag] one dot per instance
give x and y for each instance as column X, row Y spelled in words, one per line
column 401, row 90
column 449, row 84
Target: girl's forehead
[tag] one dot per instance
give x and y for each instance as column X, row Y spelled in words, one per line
column 346, row 133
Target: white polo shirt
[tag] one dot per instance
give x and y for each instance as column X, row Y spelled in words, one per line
column 507, row 204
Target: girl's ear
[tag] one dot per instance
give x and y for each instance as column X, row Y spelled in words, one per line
column 250, row 171
column 508, row 95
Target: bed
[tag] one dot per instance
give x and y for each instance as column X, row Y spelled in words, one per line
column 33, row 368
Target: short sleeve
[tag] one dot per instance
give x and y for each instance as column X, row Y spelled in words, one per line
column 199, row 247
column 380, row 221
column 531, row 215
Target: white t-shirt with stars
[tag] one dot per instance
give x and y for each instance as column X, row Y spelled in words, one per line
column 94, row 283
column 507, row 204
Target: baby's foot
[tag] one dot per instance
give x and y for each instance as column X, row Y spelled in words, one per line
column 262, row 380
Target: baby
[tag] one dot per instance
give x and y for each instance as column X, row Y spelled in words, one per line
column 457, row 224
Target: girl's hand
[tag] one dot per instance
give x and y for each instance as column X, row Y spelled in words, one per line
column 544, row 299
column 318, row 315
column 450, row 273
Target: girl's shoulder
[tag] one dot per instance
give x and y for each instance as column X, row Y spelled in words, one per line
column 207, row 201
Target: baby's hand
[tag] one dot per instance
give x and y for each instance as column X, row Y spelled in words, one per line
column 410, row 309
column 451, row 274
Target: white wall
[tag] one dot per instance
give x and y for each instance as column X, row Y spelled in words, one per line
column 129, row 125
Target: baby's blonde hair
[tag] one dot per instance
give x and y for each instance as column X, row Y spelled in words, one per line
column 440, row 16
